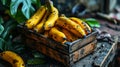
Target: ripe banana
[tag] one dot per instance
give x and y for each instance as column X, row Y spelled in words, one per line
column 12, row 58
column 68, row 24
column 57, row 35
column 84, row 25
column 34, row 20
column 70, row 36
column 52, row 18
column 40, row 27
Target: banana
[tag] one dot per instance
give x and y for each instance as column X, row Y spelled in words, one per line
column 40, row 27
column 68, row 24
column 14, row 59
column 84, row 25
column 70, row 36
column 52, row 18
column 57, row 35
column 34, row 20
column 88, row 28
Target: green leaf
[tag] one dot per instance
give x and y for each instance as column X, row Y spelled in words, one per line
column 1, row 29
column 92, row 22
column 36, row 2
column 4, row 2
column 1, row 20
column 27, row 8
column 1, row 26
column 14, row 6
column 8, row 45
column 37, row 55
column 35, row 61
column 20, row 17
column 1, row 43
column 7, row 28
column 25, row 5
column 18, row 47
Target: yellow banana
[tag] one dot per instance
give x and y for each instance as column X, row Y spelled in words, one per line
column 88, row 28
column 52, row 18
column 57, row 35
column 84, row 25
column 70, row 36
column 71, row 26
column 40, row 27
column 14, row 59
column 34, row 20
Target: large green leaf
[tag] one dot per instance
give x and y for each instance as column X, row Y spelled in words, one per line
column 25, row 5
column 14, row 6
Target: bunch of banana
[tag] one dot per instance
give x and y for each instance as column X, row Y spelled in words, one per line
column 14, row 59
column 39, row 28
column 43, row 19
column 61, row 29
column 52, row 17
column 36, row 18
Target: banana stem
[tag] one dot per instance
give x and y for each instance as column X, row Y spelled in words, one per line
column 49, row 4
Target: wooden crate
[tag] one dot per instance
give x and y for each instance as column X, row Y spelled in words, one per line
column 67, row 53
column 66, row 59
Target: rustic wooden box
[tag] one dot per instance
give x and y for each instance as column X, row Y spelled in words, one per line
column 67, row 53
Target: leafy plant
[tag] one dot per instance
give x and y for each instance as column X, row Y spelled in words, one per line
column 13, row 13
column 20, row 10
column 6, row 38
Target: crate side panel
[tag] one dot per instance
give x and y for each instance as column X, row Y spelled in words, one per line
column 81, row 43
column 48, row 51
column 82, row 52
